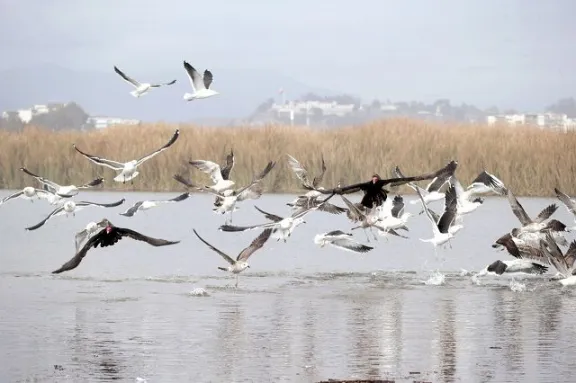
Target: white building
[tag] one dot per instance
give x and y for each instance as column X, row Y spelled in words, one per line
column 541, row 120
column 304, row 107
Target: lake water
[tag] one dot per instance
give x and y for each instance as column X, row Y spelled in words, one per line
column 300, row 314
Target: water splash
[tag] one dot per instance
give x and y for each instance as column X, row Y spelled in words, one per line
column 199, row 292
column 517, row 287
column 140, row 380
column 436, row 279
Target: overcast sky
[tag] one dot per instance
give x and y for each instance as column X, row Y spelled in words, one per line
column 507, row 52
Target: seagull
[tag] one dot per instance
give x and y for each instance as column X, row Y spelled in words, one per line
column 91, row 228
column 341, row 240
column 528, row 224
column 109, row 236
column 141, row 88
column 568, row 202
column 432, row 192
column 200, row 84
column 456, row 224
column 392, row 215
column 302, row 174
column 128, row 171
column 375, row 195
column 71, row 207
column 28, row 193
column 63, row 191
column 149, row 204
column 367, row 217
column 564, row 263
column 464, row 202
column 241, row 262
column 215, row 172
column 226, row 201
column 441, row 227
column 486, row 183
column 515, row 266
column 521, row 250
column 282, row 227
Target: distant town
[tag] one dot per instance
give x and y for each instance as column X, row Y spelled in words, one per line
column 314, row 111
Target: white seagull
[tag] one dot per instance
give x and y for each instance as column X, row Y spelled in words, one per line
column 464, row 202
column 200, row 84
column 341, row 240
column 432, row 191
column 86, row 233
column 241, row 262
column 392, row 214
column 564, row 263
column 516, row 266
column 127, row 171
column 68, row 191
column 282, row 227
column 28, row 193
column 441, row 228
column 528, row 224
column 226, row 201
column 568, row 202
column 141, row 88
column 302, row 174
column 486, row 183
column 71, row 207
column 149, row 204
column 221, row 183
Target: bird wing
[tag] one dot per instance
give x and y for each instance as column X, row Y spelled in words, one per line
column 318, row 179
column 113, row 204
column 196, row 80
column 75, row 261
column 567, row 201
column 225, row 171
column 101, row 161
column 209, row 167
column 546, row 213
column 42, row 180
column 300, row 171
column 255, row 181
column 232, row 228
column 91, row 184
column 207, row 79
column 353, row 209
column 447, row 171
column 518, row 210
column 160, row 150
column 124, row 232
column 126, row 78
column 271, row 217
column 430, row 217
column 570, row 255
column 331, row 208
column 41, row 223
column 554, row 255
column 11, row 196
column 437, row 183
column 254, row 191
column 162, row 84
column 132, row 210
column 349, row 244
column 305, row 210
column 226, row 257
column 489, row 180
column 448, row 216
column 256, row 244
column 79, row 238
column 397, row 206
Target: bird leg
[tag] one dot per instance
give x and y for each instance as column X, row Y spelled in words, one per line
column 236, row 281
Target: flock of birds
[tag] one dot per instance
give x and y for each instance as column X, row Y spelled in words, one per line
column 535, row 245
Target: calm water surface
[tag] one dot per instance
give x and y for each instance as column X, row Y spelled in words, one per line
column 300, row 314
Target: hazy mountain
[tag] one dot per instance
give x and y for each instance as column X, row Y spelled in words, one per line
column 105, row 93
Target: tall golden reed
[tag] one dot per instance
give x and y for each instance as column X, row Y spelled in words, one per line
column 529, row 160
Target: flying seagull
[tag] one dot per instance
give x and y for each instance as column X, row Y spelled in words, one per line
column 71, row 207
column 200, row 84
column 241, row 262
column 226, row 201
column 109, row 236
column 149, row 204
column 141, row 88
column 375, row 195
column 302, row 174
column 441, row 227
column 431, row 192
column 91, row 228
column 564, row 263
column 486, row 183
column 528, row 224
column 341, row 240
column 567, row 201
column 63, row 191
column 28, row 193
column 128, row 171
column 215, row 173
column 282, row 227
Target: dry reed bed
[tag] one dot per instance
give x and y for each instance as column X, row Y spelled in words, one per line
column 530, row 161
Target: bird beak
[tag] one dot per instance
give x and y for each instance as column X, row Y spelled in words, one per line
column 248, row 266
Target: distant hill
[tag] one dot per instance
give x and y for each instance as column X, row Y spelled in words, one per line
column 105, row 93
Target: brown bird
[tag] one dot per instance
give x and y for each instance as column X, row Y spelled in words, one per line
column 109, row 236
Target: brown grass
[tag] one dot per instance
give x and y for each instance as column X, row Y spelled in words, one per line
column 530, row 161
